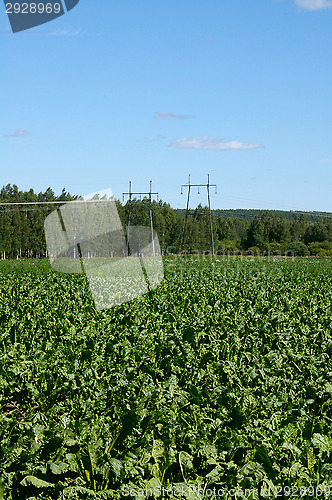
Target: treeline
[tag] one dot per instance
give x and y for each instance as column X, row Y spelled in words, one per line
column 22, row 227
column 268, row 232
column 251, row 213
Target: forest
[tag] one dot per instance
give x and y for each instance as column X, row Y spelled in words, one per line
column 235, row 231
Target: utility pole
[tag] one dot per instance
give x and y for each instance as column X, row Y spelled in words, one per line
column 130, row 195
column 208, row 195
column 187, row 209
column 207, row 186
column 151, row 224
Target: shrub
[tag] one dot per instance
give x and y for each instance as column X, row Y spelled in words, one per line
column 298, row 248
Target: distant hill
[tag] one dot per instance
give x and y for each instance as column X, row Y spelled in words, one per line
column 251, row 213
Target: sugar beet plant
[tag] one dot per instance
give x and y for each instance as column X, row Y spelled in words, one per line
column 221, row 376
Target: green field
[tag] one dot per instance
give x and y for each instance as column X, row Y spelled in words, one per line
column 220, row 378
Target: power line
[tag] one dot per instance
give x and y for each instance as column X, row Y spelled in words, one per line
column 23, row 203
column 58, row 202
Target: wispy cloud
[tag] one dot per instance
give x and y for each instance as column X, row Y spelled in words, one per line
column 19, row 133
column 66, row 32
column 165, row 115
column 215, row 143
column 154, row 138
column 314, row 4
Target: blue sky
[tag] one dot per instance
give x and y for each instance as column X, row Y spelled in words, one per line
column 148, row 89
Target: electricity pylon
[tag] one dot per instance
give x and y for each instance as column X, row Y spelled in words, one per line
column 130, row 195
column 189, row 185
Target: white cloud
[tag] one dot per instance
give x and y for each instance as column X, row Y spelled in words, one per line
column 215, row 143
column 314, row 4
column 165, row 115
column 19, row 133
